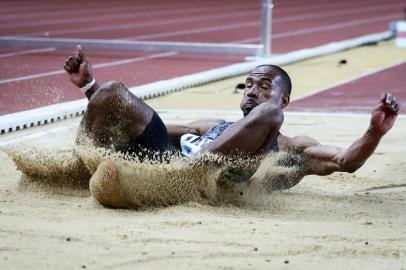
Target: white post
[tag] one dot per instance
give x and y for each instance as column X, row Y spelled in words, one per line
column 266, row 27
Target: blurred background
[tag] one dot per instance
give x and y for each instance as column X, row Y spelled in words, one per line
column 37, row 37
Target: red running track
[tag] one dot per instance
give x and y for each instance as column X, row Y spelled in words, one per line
column 32, row 77
column 360, row 96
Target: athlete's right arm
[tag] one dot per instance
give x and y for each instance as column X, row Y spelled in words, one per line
column 324, row 160
column 80, row 71
column 198, row 127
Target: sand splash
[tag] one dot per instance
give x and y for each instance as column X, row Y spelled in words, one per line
column 49, row 163
column 119, row 180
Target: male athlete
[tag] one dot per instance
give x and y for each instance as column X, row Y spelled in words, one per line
column 117, row 118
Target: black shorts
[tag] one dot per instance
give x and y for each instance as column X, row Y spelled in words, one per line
column 153, row 144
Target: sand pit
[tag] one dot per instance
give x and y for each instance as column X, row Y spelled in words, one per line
column 341, row 221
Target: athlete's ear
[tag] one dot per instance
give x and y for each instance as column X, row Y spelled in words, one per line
column 285, row 101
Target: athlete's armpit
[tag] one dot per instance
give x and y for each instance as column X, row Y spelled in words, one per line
column 198, row 127
column 323, row 159
column 298, row 144
column 318, row 159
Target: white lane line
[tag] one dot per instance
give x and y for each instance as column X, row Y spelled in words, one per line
column 34, row 51
column 145, row 24
column 150, row 23
column 136, row 59
column 323, row 28
column 366, row 74
column 116, row 9
column 196, row 30
column 331, row 4
column 85, row 12
column 12, row 9
column 335, row 26
column 101, row 65
column 252, row 24
column 216, row 28
column 346, row 11
column 134, row 14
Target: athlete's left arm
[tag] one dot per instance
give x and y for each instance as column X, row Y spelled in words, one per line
column 324, row 160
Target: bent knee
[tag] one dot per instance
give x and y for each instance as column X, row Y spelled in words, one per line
column 110, row 89
column 105, row 186
column 108, row 92
column 113, row 86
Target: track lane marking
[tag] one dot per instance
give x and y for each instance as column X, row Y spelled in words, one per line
column 322, row 28
column 363, row 75
column 33, row 51
column 323, row 4
column 194, row 31
column 103, row 9
column 181, row 20
column 144, row 24
column 121, row 16
column 252, row 24
column 96, row 66
column 148, row 13
column 30, row 13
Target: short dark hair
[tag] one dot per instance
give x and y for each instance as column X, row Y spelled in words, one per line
column 280, row 77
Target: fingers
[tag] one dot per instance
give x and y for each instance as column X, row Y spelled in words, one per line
column 67, row 67
column 390, row 101
column 80, row 53
column 74, row 61
column 383, row 97
column 395, row 104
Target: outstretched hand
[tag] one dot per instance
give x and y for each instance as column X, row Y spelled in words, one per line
column 384, row 115
column 78, row 68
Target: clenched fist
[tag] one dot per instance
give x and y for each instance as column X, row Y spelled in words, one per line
column 385, row 114
column 78, row 68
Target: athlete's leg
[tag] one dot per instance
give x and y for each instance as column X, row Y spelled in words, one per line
column 123, row 185
column 114, row 116
column 105, row 186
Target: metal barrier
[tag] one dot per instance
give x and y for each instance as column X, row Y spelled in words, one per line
column 150, row 46
column 267, row 7
column 259, row 50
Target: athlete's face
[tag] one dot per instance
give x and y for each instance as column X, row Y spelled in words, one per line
column 259, row 88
